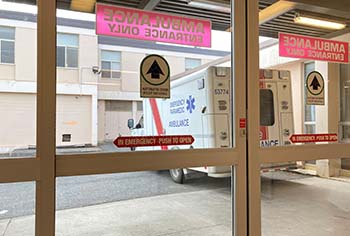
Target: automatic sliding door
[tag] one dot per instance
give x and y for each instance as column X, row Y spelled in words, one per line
column 299, row 120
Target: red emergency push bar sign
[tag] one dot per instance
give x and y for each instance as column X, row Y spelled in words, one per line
column 153, row 26
column 297, row 46
column 144, row 141
column 313, row 138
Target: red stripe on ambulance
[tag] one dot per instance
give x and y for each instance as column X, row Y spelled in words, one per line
column 157, row 119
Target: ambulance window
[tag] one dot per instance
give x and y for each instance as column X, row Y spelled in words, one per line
column 267, row 112
column 140, row 123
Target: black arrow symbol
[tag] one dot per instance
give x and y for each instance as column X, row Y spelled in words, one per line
column 315, row 84
column 155, row 70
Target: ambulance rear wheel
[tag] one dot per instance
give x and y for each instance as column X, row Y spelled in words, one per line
column 177, row 175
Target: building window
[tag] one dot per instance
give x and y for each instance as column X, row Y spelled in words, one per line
column 309, row 110
column 191, row 63
column 139, row 106
column 7, row 45
column 110, row 64
column 67, row 50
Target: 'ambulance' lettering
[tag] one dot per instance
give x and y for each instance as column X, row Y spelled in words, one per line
column 268, row 143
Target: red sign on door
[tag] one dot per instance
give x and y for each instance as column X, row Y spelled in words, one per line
column 313, row 138
column 297, row 46
column 143, row 141
column 242, row 123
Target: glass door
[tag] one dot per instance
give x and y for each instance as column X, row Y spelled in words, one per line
column 143, row 157
column 285, row 197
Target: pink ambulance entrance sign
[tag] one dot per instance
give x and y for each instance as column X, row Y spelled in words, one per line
column 152, row 26
column 297, row 46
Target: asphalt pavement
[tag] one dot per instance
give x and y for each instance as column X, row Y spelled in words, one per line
column 18, row 199
column 30, row 152
column 292, row 204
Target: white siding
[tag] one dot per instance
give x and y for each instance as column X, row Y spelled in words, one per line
column 25, row 54
column 18, row 119
column 7, row 72
column 130, row 71
column 101, row 121
column 176, row 64
column 88, row 57
column 117, row 114
column 74, row 117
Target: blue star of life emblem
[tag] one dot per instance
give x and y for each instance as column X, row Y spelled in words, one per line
column 190, row 104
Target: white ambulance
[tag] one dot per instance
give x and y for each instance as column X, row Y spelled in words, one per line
column 200, row 105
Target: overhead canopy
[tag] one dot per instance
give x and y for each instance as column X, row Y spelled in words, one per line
column 275, row 16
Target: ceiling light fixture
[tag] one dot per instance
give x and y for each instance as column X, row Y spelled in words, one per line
column 274, row 10
column 83, row 5
column 220, row 6
column 318, row 22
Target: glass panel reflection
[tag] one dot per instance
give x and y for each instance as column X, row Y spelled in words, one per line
column 18, row 81
column 17, row 204
column 317, row 103
column 95, row 70
column 304, row 205
column 143, row 203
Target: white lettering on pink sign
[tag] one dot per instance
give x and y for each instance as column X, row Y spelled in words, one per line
column 153, row 26
column 298, row 46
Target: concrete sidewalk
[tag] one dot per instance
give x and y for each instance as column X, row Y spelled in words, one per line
column 195, row 213
column 296, row 205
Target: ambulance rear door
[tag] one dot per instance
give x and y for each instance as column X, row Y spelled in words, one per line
column 269, row 114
